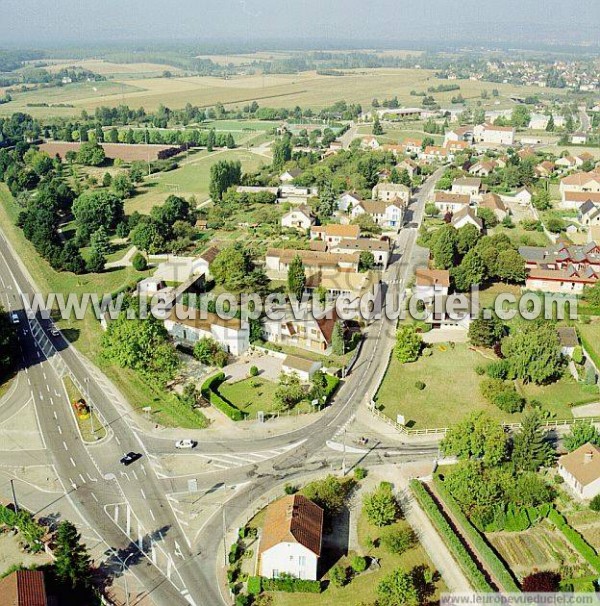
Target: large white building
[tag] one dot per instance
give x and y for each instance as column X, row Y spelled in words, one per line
column 496, row 135
column 390, row 192
column 291, row 539
column 388, row 215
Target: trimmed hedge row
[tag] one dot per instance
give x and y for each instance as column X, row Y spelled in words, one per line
column 291, row 585
column 210, row 393
column 493, row 563
column 332, row 385
column 589, row 349
column 453, row 542
column 587, row 552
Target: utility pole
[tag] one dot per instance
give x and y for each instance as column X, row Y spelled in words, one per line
column 12, row 486
column 224, row 533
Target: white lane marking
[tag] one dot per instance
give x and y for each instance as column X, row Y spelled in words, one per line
column 60, row 431
column 72, row 462
column 143, row 493
column 55, row 415
column 135, row 475
column 152, row 515
column 82, row 479
column 65, row 445
column 94, row 497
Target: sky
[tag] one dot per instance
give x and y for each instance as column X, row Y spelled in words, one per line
column 37, row 22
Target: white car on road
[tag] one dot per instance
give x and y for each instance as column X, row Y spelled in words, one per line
column 186, row 444
column 14, row 318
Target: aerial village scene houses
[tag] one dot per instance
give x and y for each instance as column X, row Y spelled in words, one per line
column 350, row 350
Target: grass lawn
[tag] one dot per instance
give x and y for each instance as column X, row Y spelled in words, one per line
column 363, row 588
column 590, row 333
column 191, row 179
column 522, row 237
column 254, row 394
column 452, row 390
column 86, row 333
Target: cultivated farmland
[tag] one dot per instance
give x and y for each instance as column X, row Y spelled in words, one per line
column 123, row 151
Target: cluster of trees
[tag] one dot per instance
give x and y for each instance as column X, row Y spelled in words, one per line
column 234, row 268
column 223, row 175
column 209, row 352
column 472, row 258
column 494, row 471
column 408, row 343
column 141, row 345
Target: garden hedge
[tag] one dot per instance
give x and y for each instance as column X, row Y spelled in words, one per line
column 492, row 562
column 587, row 552
column 210, row 393
column 254, row 585
column 291, row 585
column 453, row 542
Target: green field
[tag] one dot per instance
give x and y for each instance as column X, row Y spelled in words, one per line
column 452, row 390
column 306, row 89
column 192, row 178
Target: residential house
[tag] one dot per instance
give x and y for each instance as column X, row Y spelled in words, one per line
column 301, row 328
column 527, row 152
column 467, row 186
column 410, row 166
column 352, row 286
column 289, row 175
column 300, row 217
column 389, row 192
column 581, row 470
column 434, row 153
column 568, row 162
column 277, row 261
column 576, row 199
column 303, row 368
column 348, row 200
column 291, row 539
column 23, row 588
column 568, row 339
column 206, row 259
column 370, row 143
column 545, row 169
column 483, row 168
column 188, row 326
column 333, row 233
column 448, row 202
column 561, row 268
column 380, row 249
column 463, row 134
column 412, row 146
column 430, row 283
column 496, row 135
column 456, row 146
column 579, row 138
column 389, row 215
column 523, row 196
column 466, row 216
column 150, row 286
column 494, row 203
column 579, row 183
column 589, row 213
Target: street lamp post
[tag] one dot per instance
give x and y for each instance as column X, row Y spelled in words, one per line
column 123, row 566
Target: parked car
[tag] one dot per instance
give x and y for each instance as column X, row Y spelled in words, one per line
column 14, row 318
column 130, row 457
column 186, row 444
column 54, row 331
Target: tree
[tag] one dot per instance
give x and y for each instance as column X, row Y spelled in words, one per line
column 146, row 236
column 123, row 186
column 381, row 506
column 289, row 391
column 541, row 582
column 478, row 436
column 208, row 351
column 231, row 267
column 531, row 449
column 338, row 575
column 471, row 271
column 581, row 433
column 296, row 278
column 358, row 564
column 397, row 541
column 139, row 262
column 444, row 247
column 431, row 210
column 484, row 332
column 338, row 341
column 533, row 352
column 595, row 503
column 210, row 140
column 327, row 202
column 377, row 128
column 556, row 225
column 282, row 151
column 90, row 154
column 223, row 175
column 488, row 217
column 367, row 225
column 397, row 589
column 550, row 126
column 95, row 209
column 541, row 200
column 408, row 343
column 520, row 116
column 366, row 261
column 329, row 494
column 319, row 385
column 510, row 266
column 468, row 236
column 72, row 562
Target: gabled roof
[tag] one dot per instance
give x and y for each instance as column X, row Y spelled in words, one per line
column 378, row 207
column 337, row 230
column 303, row 208
column 450, row 198
column 493, row 202
column 467, row 181
column 583, row 463
column 210, row 254
column 581, row 179
column 567, row 336
column 464, row 213
column 364, row 244
column 23, row 588
column 432, row 277
column 293, row 519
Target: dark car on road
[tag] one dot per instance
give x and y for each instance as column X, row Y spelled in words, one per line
column 130, row 457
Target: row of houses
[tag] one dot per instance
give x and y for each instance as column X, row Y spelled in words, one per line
column 579, row 188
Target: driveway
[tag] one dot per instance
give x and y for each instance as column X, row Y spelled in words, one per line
column 269, row 367
column 446, row 335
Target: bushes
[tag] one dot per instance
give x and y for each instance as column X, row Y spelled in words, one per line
column 254, row 371
column 381, row 506
column 254, row 585
column 139, row 262
column 453, row 542
column 502, row 394
column 398, row 541
column 595, row 503
column 338, row 576
column 358, row 564
column 291, row 585
column 586, row 551
column 209, row 392
column 489, row 557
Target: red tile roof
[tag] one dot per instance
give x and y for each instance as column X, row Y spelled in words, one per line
column 23, row 588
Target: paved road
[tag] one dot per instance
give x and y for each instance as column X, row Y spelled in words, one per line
column 584, row 118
